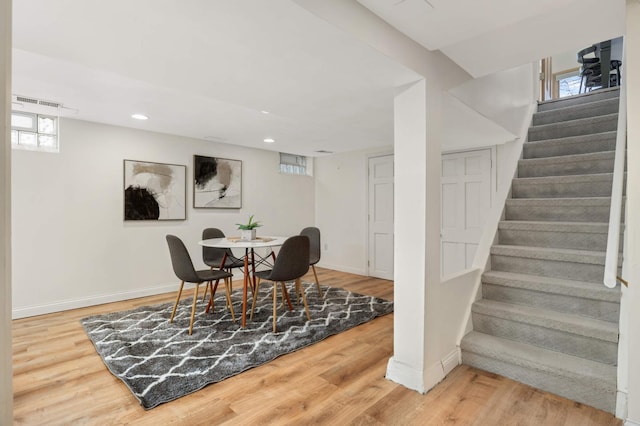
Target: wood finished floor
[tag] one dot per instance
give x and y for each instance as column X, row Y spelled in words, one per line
column 60, row 380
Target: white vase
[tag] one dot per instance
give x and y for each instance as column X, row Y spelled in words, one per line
column 248, row 234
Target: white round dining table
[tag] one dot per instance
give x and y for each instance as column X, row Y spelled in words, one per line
column 249, row 258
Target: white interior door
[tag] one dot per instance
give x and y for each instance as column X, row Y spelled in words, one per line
column 465, row 201
column 381, row 217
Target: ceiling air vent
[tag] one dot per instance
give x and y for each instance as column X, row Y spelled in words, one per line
column 50, row 104
column 27, row 100
column 322, row 151
column 34, row 101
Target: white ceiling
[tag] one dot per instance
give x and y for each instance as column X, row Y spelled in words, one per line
column 206, row 69
column 487, row 36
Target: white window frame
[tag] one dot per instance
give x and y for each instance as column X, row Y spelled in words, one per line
column 298, row 165
column 36, row 131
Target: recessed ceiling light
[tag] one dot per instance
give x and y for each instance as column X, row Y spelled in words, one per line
column 264, row 112
column 269, row 140
column 139, row 116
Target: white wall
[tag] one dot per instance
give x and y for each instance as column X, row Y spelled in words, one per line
column 71, row 246
column 632, row 254
column 572, row 26
column 501, row 97
column 6, row 387
column 341, row 209
column 564, row 61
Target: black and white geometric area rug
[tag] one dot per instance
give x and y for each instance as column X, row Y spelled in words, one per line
column 159, row 361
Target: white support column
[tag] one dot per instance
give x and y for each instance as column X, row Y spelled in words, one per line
column 631, row 77
column 6, row 370
column 417, row 234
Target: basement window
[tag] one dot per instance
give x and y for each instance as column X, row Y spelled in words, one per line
column 36, row 132
column 291, row 164
column 568, row 84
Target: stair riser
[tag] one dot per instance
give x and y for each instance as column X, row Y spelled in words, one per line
column 549, row 268
column 573, row 128
column 599, row 95
column 587, row 188
column 598, row 309
column 554, row 239
column 555, row 340
column 584, row 111
column 566, row 168
column 560, row 213
column 582, row 145
column 589, row 392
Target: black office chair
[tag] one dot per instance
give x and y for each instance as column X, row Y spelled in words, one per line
column 184, row 270
column 615, row 78
column 590, row 71
column 313, row 234
column 291, row 264
column 212, row 256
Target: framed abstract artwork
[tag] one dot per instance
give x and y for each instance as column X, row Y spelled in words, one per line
column 154, row 191
column 217, row 183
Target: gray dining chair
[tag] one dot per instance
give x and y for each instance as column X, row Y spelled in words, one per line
column 212, row 256
column 184, row 270
column 313, row 234
column 291, row 264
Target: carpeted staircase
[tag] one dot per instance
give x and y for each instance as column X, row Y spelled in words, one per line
column 545, row 317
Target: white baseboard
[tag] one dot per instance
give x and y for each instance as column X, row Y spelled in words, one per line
column 404, row 375
column 420, row 381
column 343, row 268
column 451, row 361
column 621, row 401
column 631, row 423
column 65, row 305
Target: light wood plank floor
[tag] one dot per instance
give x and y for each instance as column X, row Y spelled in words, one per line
column 60, row 380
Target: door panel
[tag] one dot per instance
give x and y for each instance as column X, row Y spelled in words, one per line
column 381, row 194
column 465, row 201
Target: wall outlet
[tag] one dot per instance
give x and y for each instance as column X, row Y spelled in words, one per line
column 326, row 246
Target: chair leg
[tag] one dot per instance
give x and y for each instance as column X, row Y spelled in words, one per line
column 213, row 294
column 255, row 296
column 275, row 304
column 227, row 287
column 313, row 267
column 286, row 296
column 206, row 290
column 193, row 308
column 284, row 291
column 304, row 298
column 230, row 281
column 230, row 278
column 173, row 313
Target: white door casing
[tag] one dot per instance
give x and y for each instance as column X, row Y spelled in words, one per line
column 465, row 201
column 380, row 231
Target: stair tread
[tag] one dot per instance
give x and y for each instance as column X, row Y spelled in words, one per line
column 506, row 248
column 538, row 358
column 558, row 159
column 547, row 253
column 541, row 180
column 569, row 323
column 611, row 134
column 584, row 105
column 583, row 289
column 584, row 201
column 586, row 96
column 558, row 226
column 575, row 122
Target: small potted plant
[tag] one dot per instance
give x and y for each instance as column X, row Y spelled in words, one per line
column 248, row 230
